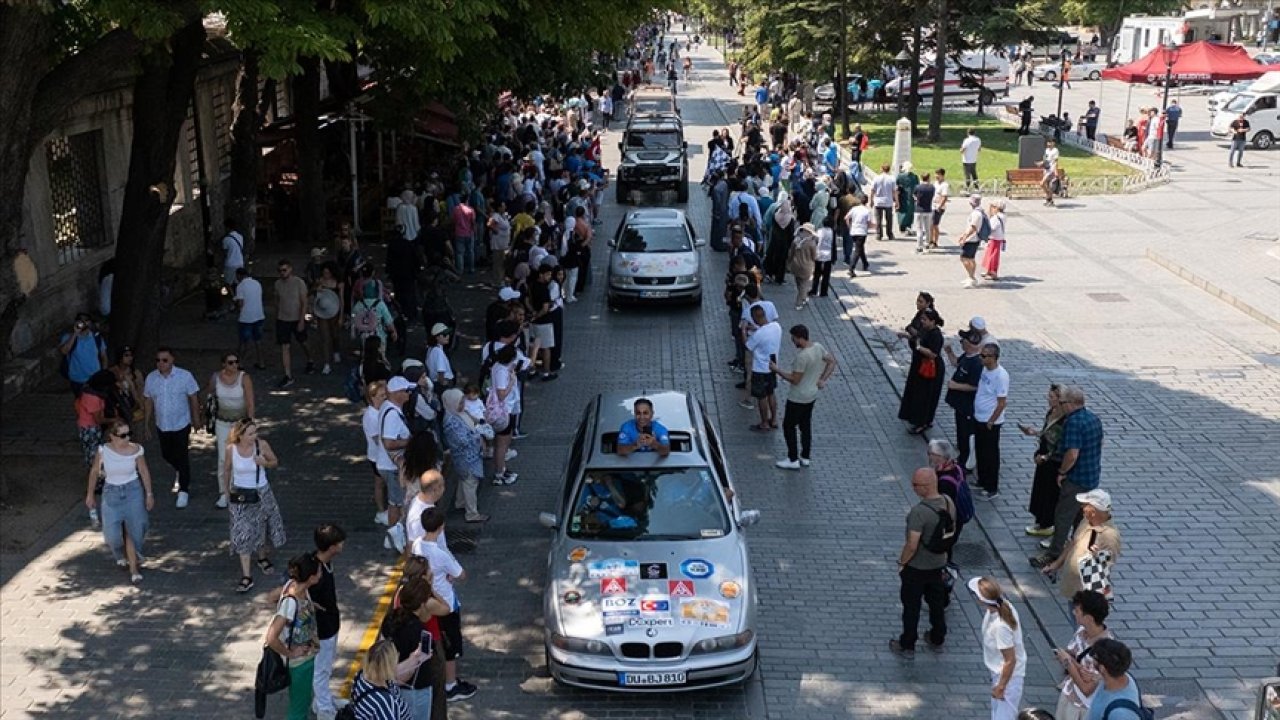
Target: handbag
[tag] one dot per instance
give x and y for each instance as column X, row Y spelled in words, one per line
column 1095, row 570
column 273, row 670
column 928, row 369
column 211, row 413
column 247, row 496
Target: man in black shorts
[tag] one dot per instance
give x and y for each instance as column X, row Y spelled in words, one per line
column 971, row 238
column 291, row 319
column 763, row 345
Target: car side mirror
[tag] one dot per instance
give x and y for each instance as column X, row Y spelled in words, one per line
column 548, row 520
column 699, row 242
column 619, row 146
column 613, row 243
column 747, row 518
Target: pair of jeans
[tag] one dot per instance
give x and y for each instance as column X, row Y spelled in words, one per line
column 884, row 222
column 1236, row 156
column 986, row 443
column 859, row 252
column 846, row 242
column 175, row 449
column 821, row 278
column 930, row 587
column 419, row 702
column 924, row 229
column 1064, row 516
column 322, row 694
column 124, row 510
column 300, row 689
column 464, row 254
column 798, row 416
column 964, row 431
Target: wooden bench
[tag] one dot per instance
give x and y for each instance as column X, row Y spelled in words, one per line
column 1023, row 182
column 1115, row 141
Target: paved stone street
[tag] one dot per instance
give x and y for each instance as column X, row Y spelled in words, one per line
column 1187, row 385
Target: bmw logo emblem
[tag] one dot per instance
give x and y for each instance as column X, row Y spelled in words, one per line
column 651, row 632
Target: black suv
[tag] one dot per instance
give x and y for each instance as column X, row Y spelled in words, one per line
column 653, row 157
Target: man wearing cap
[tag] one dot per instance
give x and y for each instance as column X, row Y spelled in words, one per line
column 393, row 437
column 1095, row 534
column 921, row 571
column 963, row 387
column 1081, row 471
column 978, row 324
column 970, row 240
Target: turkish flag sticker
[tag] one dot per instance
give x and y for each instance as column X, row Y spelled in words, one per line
column 680, row 588
column 613, row 586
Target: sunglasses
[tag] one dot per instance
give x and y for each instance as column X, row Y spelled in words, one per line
column 164, row 360
column 231, row 362
column 123, row 435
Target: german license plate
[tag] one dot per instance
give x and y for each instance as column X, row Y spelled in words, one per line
column 651, row 678
column 655, row 293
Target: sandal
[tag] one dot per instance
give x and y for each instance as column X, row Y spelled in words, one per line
column 478, row 518
column 264, row 564
column 246, row 584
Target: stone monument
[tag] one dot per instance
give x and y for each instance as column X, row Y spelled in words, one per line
column 901, row 144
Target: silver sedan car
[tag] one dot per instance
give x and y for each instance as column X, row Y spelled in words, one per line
column 649, row 585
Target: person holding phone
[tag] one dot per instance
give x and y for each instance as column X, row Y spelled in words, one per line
column 643, row 434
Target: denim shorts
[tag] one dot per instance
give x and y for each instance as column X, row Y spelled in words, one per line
column 124, row 509
column 395, row 491
column 251, row 331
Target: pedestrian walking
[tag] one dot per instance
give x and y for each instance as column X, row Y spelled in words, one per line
column 800, row 261
column 1173, row 115
column 292, row 634
column 464, row 437
column 1081, row 467
column 251, row 316
column 1090, row 610
column 1089, row 560
column 883, row 191
column 125, row 496
column 977, row 229
column 232, row 391
column 232, row 254
column 1239, row 136
column 1048, row 459
column 256, row 525
column 995, row 239
column 129, row 382
column 970, row 149
column 824, row 258
column 1049, row 163
column 375, row 692
column 924, row 194
column 84, row 352
column 922, row 564
column 988, row 416
column 326, row 303
column 926, row 376
column 860, row 221
column 941, row 193
column 907, row 181
column 810, row 371
column 1003, row 651
column 763, row 344
column 170, row 402
column 329, row 540
column 91, row 407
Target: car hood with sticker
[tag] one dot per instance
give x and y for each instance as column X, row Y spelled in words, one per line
column 670, row 264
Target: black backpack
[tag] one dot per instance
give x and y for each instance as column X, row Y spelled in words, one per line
column 943, row 536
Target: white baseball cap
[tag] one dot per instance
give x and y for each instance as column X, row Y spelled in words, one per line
column 1100, row 499
column 977, row 322
column 399, row 384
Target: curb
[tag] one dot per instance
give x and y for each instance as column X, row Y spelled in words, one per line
column 1213, row 290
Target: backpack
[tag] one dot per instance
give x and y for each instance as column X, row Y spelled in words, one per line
column 964, row 498
column 984, row 230
column 864, row 143
column 366, row 321
column 418, row 423
column 944, row 533
column 353, row 387
column 1142, row 711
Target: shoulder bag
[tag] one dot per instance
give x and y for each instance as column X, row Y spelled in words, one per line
column 273, row 670
column 1095, row 569
column 247, row 496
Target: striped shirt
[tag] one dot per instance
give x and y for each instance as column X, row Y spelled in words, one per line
column 378, row 703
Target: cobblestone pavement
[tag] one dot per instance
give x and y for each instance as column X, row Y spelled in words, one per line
column 1186, row 385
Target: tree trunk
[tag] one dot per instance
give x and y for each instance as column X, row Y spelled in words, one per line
column 306, row 114
column 939, row 74
column 241, row 206
column 913, row 102
column 842, row 75
column 161, row 96
column 34, row 102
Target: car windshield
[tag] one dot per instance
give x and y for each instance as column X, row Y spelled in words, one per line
column 661, row 504
column 654, row 239
column 640, row 140
column 1239, row 103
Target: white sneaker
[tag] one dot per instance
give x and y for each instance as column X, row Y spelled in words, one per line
column 326, row 369
column 788, row 464
column 509, row 478
column 968, row 283
column 511, row 453
column 222, row 503
column 381, row 518
column 386, row 542
column 183, row 499
column 398, row 539
column 804, row 462
column 176, row 485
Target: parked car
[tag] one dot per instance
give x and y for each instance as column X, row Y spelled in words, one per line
column 649, row 585
column 1079, row 71
column 978, row 73
column 1267, row 59
column 654, row 258
column 1220, row 99
column 827, row 93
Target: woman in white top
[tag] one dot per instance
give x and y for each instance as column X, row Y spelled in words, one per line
column 1002, row 650
column 126, row 495
column 995, row 241
column 506, row 386
column 255, row 516
column 375, row 394
column 234, row 390
column 824, row 258
column 439, row 369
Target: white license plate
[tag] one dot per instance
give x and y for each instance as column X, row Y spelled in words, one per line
column 651, row 678
column 655, row 293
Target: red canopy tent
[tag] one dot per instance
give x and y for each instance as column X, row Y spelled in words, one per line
column 1201, row 61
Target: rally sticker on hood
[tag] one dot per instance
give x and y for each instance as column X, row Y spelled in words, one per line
column 613, row 567
column 578, row 554
column 696, row 568
column 704, row 612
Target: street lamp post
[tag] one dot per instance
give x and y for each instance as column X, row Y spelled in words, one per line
column 1170, row 57
column 902, row 59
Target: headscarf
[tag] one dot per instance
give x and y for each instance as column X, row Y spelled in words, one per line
column 452, row 399
column 785, row 214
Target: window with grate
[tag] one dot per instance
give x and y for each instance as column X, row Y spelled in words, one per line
column 75, row 194
column 222, row 116
column 193, row 157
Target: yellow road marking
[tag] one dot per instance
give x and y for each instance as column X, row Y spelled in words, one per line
column 375, row 624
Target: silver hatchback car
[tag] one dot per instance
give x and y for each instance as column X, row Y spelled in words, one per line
column 649, row 585
column 654, row 258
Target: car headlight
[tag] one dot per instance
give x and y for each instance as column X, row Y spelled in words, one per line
column 580, row 645
column 622, row 280
column 722, row 643
column 686, row 279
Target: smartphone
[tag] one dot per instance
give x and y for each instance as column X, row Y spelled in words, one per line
column 773, row 358
column 427, row 647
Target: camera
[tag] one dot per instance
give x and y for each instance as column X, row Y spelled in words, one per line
column 81, row 325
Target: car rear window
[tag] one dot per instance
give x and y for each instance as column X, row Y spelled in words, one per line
column 658, row 504
column 654, row 239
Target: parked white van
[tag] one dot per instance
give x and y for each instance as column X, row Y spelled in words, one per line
column 985, row 72
column 1260, row 105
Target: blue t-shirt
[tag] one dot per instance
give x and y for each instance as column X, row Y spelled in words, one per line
column 629, row 433
column 83, row 361
column 762, row 95
column 1083, row 432
column 1103, row 697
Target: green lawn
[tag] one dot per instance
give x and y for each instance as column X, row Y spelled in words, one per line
column 999, row 148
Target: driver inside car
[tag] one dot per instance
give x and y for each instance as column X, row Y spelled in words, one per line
column 643, row 433
column 612, row 502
